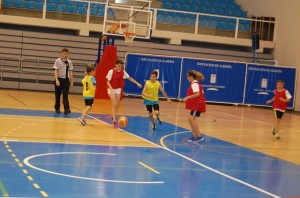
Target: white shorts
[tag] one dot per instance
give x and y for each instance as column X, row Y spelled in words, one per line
column 117, row 91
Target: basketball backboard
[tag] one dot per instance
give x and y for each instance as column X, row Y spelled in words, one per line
column 132, row 16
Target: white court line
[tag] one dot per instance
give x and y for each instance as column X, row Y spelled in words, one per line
column 75, row 144
column 204, row 166
column 26, row 161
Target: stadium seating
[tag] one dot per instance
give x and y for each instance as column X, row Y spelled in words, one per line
column 65, row 6
column 213, row 7
column 217, row 7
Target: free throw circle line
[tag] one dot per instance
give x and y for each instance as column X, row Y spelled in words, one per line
column 26, row 161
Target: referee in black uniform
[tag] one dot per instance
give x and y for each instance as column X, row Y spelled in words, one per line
column 63, row 74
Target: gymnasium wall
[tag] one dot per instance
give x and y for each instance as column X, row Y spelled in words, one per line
column 287, row 48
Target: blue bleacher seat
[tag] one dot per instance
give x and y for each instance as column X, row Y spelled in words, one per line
column 195, row 2
column 204, row 3
column 193, row 8
column 192, row 22
column 203, row 23
column 70, row 8
column 167, row 5
column 159, row 18
column 212, row 24
column 79, row 3
column 55, row 1
column 180, row 14
column 162, row 12
column 167, row 19
column 18, row 3
column 176, row 20
column 231, row 20
column 51, row 6
column 201, row 9
column 244, row 28
column 171, row 13
column 8, row 3
column 69, row 2
column 29, row 4
column 222, row 5
column 185, row 21
column 219, row 11
column 39, row 5
column 101, row 12
column 230, row 1
column 234, row 13
column 61, row 7
column 221, row 25
column 242, row 14
column 175, row 6
column 213, row 4
column 185, row 7
column 236, row 7
column 227, row 12
column 230, row 26
column 93, row 11
column 81, row 10
column 229, row 6
column 210, row 10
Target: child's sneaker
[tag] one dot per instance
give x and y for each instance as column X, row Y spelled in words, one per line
column 198, row 139
column 154, row 127
column 115, row 125
column 159, row 121
column 277, row 135
column 191, row 139
column 82, row 121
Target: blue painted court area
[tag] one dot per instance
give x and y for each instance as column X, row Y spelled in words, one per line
column 212, row 168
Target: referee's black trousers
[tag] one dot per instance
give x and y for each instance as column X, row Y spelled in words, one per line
column 63, row 88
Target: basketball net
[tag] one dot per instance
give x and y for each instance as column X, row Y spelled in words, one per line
column 129, row 37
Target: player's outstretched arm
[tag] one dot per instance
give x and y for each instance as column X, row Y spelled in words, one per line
column 135, row 82
column 164, row 93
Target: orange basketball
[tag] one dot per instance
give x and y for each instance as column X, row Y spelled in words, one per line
column 123, row 122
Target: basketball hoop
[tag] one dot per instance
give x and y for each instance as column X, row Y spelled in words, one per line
column 129, row 36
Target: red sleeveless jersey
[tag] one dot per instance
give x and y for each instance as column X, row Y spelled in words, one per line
column 117, row 80
column 198, row 103
column 278, row 104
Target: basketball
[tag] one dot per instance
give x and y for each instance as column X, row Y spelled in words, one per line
column 123, row 122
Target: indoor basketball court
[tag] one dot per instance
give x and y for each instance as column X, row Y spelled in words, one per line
column 49, row 154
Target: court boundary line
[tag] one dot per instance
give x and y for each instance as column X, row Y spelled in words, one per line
column 26, row 162
column 3, row 190
column 200, row 164
column 75, row 143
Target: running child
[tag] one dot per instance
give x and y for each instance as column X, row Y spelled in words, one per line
column 280, row 103
column 115, row 83
column 195, row 102
column 150, row 95
column 89, row 88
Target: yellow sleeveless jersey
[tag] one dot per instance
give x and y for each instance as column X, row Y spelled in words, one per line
column 153, row 89
column 88, row 83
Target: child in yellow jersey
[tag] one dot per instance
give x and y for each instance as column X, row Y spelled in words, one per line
column 89, row 88
column 150, row 95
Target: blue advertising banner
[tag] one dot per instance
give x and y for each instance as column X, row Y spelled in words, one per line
column 224, row 81
column 140, row 66
column 261, row 82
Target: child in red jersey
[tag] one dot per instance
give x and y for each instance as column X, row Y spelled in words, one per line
column 115, row 82
column 195, row 101
column 280, row 102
